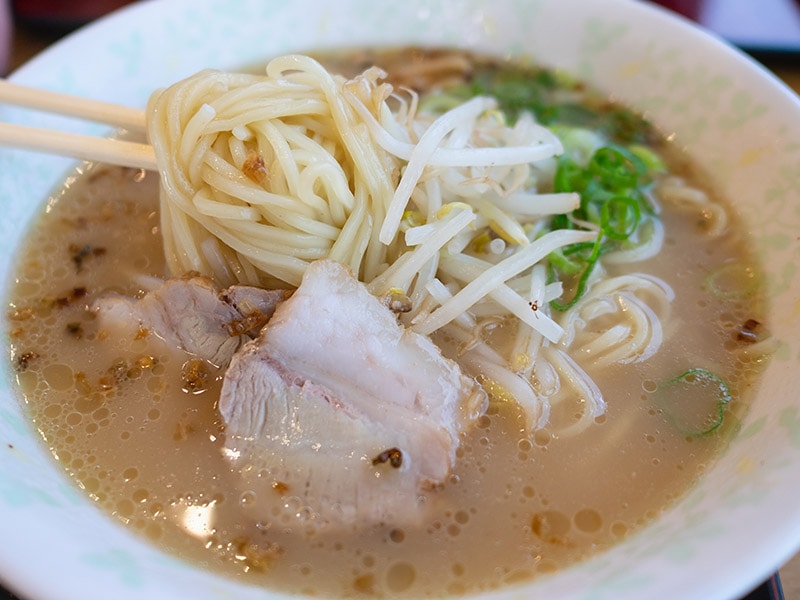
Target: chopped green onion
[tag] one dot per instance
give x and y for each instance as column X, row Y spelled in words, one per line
column 694, row 401
column 546, row 95
column 580, row 288
column 611, row 199
column 652, row 161
column 440, row 102
column 732, row 281
column 569, row 177
column 619, row 217
column 560, row 261
column 613, row 169
column 626, row 127
column 579, row 143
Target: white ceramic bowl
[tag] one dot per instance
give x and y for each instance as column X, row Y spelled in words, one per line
column 739, row 123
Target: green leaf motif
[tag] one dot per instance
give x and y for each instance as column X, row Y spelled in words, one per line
column 778, row 280
column 783, row 352
column 600, row 35
column 18, row 494
column 612, row 587
column 746, row 496
column 790, row 420
column 128, row 50
column 788, row 182
column 684, row 550
column 752, row 429
column 13, row 421
column 743, row 109
column 120, row 562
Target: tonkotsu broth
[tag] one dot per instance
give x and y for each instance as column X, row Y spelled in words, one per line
column 149, row 453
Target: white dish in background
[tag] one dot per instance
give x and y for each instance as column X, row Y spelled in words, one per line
column 735, row 120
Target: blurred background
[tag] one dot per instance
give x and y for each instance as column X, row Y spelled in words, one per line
column 768, row 28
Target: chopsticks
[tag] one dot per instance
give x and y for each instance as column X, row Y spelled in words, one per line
column 119, row 152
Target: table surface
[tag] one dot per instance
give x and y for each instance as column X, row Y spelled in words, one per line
column 28, row 42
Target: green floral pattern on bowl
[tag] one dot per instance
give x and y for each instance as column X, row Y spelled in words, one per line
column 738, row 123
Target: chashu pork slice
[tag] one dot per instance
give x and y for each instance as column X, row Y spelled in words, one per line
column 193, row 314
column 340, row 413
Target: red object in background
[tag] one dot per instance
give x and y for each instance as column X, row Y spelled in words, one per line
column 64, row 14
column 688, row 8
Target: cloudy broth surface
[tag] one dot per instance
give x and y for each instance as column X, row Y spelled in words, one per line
column 148, row 452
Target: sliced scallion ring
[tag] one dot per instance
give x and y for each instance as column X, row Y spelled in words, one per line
column 694, row 401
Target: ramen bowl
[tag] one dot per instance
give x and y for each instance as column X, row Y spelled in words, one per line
column 735, row 121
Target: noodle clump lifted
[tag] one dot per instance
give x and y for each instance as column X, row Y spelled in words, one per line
column 448, row 215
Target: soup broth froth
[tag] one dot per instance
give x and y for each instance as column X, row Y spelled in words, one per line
column 119, row 418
